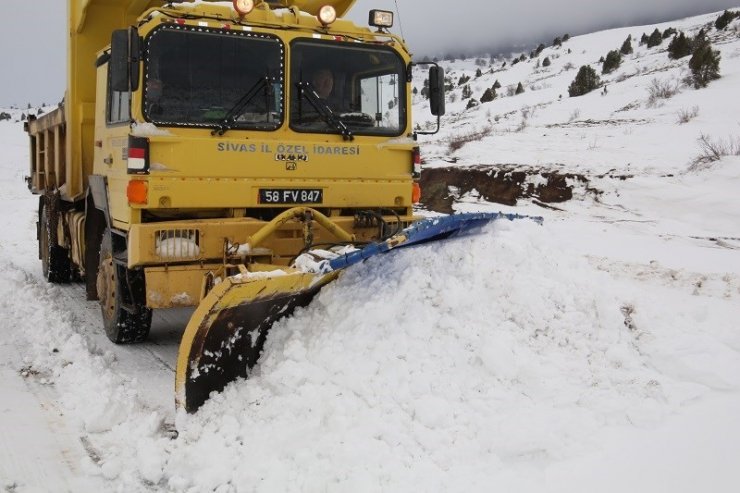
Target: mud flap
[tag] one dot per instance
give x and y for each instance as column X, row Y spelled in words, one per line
column 225, row 335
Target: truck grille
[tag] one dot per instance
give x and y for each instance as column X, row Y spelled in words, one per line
column 177, row 244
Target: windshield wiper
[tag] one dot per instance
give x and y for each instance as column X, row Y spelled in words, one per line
column 305, row 89
column 227, row 123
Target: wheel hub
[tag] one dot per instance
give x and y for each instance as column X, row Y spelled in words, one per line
column 106, row 284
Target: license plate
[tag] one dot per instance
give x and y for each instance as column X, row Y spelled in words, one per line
column 291, row 196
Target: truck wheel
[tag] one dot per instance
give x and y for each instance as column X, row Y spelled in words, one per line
column 55, row 263
column 121, row 326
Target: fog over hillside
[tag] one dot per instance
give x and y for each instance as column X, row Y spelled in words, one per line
column 481, row 26
column 431, row 28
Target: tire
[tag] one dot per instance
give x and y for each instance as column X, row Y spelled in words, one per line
column 55, row 263
column 121, row 325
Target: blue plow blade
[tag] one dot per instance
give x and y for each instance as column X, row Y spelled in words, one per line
column 435, row 228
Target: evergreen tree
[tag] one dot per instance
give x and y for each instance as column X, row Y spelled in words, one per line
column 725, row 19
column 467, row 92
column 626, row 48
column 704, row 64
column 612, row 62
column 701, row 37
column 519, row 88
column 669, row 32
column 523, row 58
column 478, row 73
column 464, row 79
column 496, row 85
column 586, row 81
column 557, row 42
column 655, row 38
column 472, row 104
column 679, row 47
column 644, row 39
column 540, row 47
column 566, row 37
column 488, row 96
column 546, row 62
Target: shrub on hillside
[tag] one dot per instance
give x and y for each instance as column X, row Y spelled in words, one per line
column 566, row 37
column 704, row 64
column 546, row 62
column 626, row 48
column 519, row 88
column 611, row 62
column 472, row 104
column 660, row 89
column 557, row 42
column 724, row 20
column 686, row 115
column 496, row 85
column 655, row 38
column 680, row 46
column 644, row 39
column 586, row 81
column 4, row 116
column 488, row 96
column 464, row 79
column 714, row 150
column 539, row 49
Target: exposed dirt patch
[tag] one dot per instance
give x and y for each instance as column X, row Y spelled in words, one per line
column 600, row 123
column 502, row 184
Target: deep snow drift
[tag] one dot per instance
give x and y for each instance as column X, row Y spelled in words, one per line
column 597, row 352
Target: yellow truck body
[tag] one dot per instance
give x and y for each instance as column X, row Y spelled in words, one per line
column 205, row 139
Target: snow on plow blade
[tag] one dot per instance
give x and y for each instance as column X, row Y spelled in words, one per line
column 226, row 333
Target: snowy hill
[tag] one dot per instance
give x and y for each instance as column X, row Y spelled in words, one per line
column 597, row 352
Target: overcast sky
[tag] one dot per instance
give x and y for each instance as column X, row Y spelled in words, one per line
column 33, row 42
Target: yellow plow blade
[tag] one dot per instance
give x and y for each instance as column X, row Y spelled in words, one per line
column 226, row 333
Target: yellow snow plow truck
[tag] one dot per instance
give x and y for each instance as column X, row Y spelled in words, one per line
column 233, row 156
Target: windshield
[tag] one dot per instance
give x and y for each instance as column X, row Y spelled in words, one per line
column 200, row 77
column 363, row 87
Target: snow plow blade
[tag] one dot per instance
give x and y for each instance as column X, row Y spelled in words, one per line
column 226, row 333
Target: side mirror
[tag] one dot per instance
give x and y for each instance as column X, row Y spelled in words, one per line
column 437, row 90
column 125, row 49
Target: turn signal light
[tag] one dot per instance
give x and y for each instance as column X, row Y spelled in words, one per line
column 416, row 193
column 137, row 192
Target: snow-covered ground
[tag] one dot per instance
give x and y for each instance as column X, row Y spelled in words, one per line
column 597, row 352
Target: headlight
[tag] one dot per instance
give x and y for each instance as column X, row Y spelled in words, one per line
column 381, row 18
column 243, row 7
column 327, row 15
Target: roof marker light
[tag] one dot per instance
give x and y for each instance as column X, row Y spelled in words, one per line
column 327, row 15
column 243, row 7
